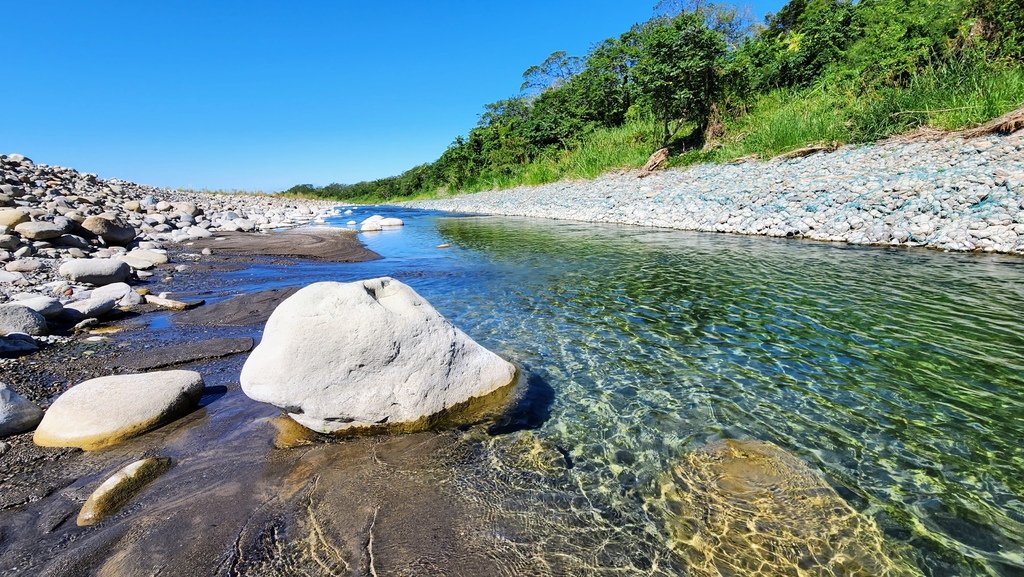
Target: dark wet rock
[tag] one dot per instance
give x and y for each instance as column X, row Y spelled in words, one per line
column 244, row 310
column 17, row 414
column 107, row 410
column 380, row 356
column 119, row 488
column 15, row 345
column 180, row 353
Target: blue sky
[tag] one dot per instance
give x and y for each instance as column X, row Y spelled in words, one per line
column 263, row 95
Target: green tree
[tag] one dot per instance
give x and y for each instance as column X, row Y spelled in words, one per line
column 676, row 71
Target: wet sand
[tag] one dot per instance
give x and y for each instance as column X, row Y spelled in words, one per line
column 327, row 244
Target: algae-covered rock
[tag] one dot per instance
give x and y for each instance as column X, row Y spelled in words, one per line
column 119, row 488
column 746, row 507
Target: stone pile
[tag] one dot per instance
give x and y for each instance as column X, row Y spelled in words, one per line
column 952, row 194
column 67, row 236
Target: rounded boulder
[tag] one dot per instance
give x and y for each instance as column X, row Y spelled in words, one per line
column 370, row 354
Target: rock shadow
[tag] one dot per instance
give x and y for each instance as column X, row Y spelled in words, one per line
column 528, row 409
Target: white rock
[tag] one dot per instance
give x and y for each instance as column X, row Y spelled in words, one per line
column 91, row 307
column 44, row 305
column 350, row 355
column 101, row 412
column 95, row 271
column 121, row 293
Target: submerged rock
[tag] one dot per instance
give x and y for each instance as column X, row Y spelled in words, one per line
column 17, row 414
column 119, row 488
column 747, row 507
column 369, row 354
column 105, row 411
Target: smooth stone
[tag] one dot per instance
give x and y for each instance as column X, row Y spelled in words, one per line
column 44, row 305
column 120, row 488
column 15, row 345
column 112, row 231
column 39, row 230
column 108, row 410
column 12, row 217
column 92, row 307
column 17, row 414
column 380, row 356
column 10, row 277
column 95, row 271
column 391, row 222
column 23, row 265
column 17, row 318
column 121, row 293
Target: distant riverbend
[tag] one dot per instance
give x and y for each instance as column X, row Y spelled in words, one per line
column 951, row 194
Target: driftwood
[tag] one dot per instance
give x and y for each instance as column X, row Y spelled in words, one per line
column 809, row 150
column 1006, row 124
column 172, row 304
column 654, row 162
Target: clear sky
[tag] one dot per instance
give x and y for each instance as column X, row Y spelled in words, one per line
column 262, row 95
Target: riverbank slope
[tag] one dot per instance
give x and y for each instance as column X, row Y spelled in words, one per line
column 951, row 193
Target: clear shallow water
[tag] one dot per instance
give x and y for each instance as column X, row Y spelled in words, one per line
column 897, row 374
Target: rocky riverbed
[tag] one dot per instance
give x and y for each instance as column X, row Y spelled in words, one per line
column 70, row 243
column 954, row 193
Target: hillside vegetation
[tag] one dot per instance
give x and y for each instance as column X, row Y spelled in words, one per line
column 703, row 80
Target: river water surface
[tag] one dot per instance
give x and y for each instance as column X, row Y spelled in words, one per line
column 897, row 374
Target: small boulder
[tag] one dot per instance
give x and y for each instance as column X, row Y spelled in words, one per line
column 47, row 306
column 95, row 271
column 144, row 259
column 12, row 217
column 391, row 222
column 380, row 357
column 17, row 414
column 23, row 265
column 39, row 230
column 112, row 231
column 17, row 344
column 105, row 411
column 16, row 318
column 119, row 488
column 121, row 293
column 92, row 307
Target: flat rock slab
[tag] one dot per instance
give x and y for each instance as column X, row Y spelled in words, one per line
column 329, row 244
column 241, row 311
column 105, row 411
column 181, row 353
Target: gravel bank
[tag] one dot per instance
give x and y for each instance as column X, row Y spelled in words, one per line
column 952, row 194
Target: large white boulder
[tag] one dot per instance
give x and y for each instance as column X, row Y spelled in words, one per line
column 102, row 412
column 365, row 354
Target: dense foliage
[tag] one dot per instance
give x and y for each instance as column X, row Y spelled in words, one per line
column 706, row 81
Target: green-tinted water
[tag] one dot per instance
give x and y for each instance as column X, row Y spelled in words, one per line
column 898, row 374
